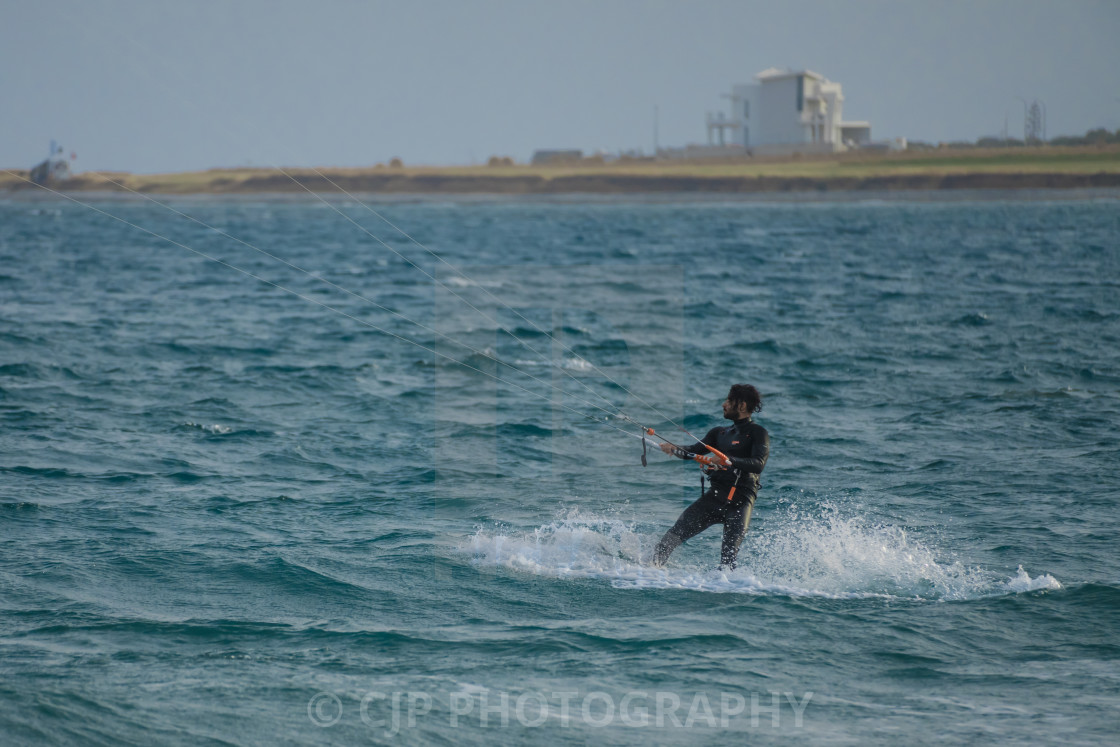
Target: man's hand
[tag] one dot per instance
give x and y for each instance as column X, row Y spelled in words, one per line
column 677, row 451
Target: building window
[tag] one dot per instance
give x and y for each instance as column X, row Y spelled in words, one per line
column 746, row 110
column 800, row 92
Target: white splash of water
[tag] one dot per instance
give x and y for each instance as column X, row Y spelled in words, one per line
column 833, row 551
column 1022, row 582
column 826, row 553
column 214, row 429
column 576, row 363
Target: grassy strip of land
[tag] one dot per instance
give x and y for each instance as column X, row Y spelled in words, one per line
column 977, row 168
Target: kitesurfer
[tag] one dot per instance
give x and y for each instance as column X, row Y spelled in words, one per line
column 731, row 495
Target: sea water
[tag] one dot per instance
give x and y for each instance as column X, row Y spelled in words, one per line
column 407, row 504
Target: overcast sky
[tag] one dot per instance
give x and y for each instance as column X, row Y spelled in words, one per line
column 160, row 85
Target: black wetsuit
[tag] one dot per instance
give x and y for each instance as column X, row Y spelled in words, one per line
column 747, row 445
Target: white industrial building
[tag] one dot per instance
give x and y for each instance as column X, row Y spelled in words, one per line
column 787, row 111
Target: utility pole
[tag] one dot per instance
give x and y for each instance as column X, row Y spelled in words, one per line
column 656, row 146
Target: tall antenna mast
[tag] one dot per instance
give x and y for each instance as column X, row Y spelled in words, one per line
column 1033, row 123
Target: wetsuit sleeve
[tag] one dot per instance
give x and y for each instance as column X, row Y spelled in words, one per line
column 760, row 452
column 698, row 448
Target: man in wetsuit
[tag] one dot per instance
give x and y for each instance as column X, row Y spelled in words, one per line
column 731, row 496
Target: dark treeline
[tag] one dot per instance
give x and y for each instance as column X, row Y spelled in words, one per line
column 1098, row 136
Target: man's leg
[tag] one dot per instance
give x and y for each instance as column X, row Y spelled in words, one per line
column 734, row 529
column 693, row 520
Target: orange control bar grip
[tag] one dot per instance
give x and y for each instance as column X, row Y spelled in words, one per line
column 718, row 453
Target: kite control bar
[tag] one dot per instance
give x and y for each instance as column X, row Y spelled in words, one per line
column 715, row 460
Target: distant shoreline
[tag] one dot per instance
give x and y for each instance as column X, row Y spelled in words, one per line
column 976, row 169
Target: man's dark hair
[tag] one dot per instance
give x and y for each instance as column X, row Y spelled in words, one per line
column 745, row 393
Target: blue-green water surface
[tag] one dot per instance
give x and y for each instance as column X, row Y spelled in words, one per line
column 231, row 515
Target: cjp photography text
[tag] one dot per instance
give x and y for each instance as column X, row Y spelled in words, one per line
column 396, row 711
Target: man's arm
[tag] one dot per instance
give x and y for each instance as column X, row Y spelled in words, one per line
column 760, row 452
column 686, row 452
